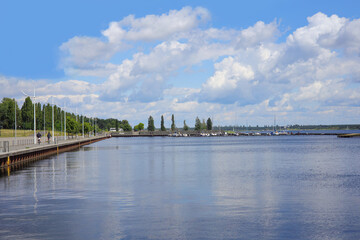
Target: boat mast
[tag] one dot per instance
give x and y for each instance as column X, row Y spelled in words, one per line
column 274, row 128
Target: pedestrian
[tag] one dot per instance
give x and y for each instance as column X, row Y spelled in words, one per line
column 48, row 136
column 39, row 137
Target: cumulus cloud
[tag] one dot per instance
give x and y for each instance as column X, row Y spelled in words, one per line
column 152, row 27
column 315, row 70
column 257, row 34
column 231, row 82
column 82, row 51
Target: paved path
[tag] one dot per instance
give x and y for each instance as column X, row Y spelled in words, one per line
column 21, row 154
column 28, row 142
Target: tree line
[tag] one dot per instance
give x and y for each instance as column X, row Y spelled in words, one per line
column 199, row 125
column 43, row 112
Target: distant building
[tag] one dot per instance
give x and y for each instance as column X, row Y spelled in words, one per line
column 114, row 130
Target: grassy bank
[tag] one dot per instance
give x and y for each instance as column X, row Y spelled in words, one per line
column 20, row 133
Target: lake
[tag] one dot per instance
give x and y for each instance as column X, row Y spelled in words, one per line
column 265, row 187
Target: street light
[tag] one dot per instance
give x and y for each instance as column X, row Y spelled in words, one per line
column 52, row 105
column 34, row 113
column 52, row 110
column 44, row 120
column 15, row 117
column 83, row 126
column 64, row 119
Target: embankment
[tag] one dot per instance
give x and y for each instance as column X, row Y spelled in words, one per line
column 30, row 154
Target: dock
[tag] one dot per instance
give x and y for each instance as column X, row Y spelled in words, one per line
column 350, row 135
column 36, row 152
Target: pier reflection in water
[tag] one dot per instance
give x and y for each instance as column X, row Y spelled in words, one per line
column 290, row 187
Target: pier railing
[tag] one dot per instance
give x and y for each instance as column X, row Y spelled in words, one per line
column 12, row 143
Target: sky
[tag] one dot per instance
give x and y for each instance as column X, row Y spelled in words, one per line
column 238, row 62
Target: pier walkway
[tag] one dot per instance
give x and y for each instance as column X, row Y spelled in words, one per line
column 18, row 154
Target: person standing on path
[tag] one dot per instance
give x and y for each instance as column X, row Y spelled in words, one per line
column 48, row 136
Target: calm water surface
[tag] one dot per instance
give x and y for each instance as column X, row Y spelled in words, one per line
column 285, row 187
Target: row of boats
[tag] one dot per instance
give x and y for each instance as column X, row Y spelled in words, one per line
column 213, row 134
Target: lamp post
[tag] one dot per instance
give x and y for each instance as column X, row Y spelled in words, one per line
column 15, row 117
column 83, row 126
column 53, row 120
column 52, row 105
column 63, row 108
column 90, row 125
column 34, row 113
column 44, row 121
column 65, row 121
column 61, row 124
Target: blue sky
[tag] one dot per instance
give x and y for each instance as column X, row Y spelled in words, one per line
column 43, row 44
column 33, row 30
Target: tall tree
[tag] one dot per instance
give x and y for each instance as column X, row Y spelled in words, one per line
column 117, row 125
column 48, row 116
column 203, row 125
column 151, row 126
column 27, row 114
column 162, row 124
column 209, row 124
column 39, row 117
column 197, row 124
column 7, row 113
column 186, row 128
column 172, row 123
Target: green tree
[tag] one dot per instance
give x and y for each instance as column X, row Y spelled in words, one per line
column 7, row 113
column 48, row 116
column 197, row 124
column 162, row 124
column 139, row 127
column 203, row 125
column 39, row 117
column 72, row 126
column 87, row 127
column 27, row 114
column 186, row 128
column 151, row 126
column 125, row 125
column 117, row 125
column 209, row 124
column 172, row 123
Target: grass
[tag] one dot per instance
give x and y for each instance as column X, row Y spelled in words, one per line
column 20, row 133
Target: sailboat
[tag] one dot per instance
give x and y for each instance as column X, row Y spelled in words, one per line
column 274, row 132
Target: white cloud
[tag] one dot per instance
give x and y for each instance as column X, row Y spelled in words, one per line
column 257, row 34
column 82, row 51
column 229, row 74
column 321, row 31
column 152, row 27
column 314, row 71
